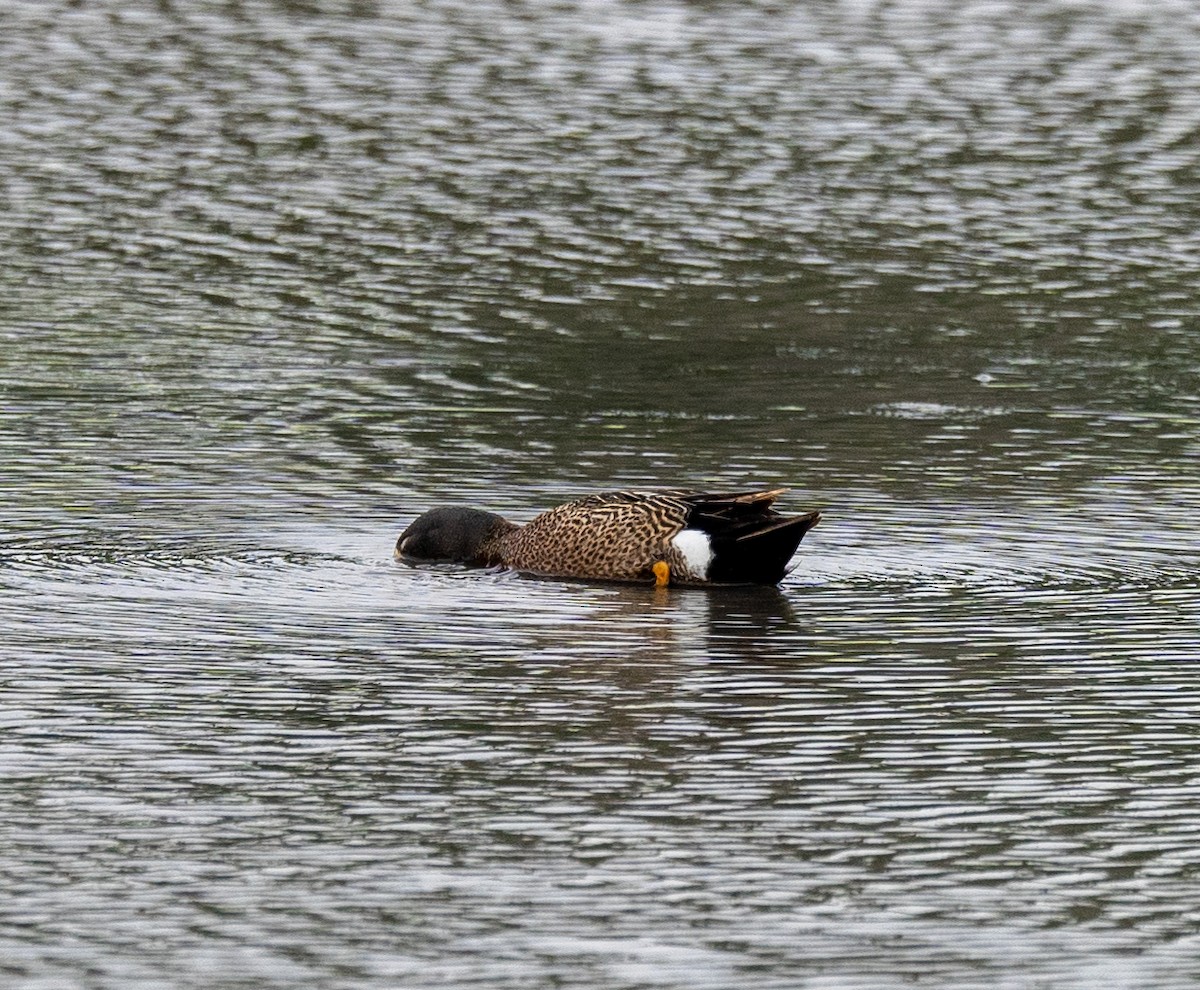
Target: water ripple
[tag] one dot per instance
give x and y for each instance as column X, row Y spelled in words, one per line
column 278, row 276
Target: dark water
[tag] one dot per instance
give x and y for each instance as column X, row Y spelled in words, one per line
column 275, row 277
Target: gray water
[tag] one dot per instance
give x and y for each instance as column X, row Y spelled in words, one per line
column 276, row 277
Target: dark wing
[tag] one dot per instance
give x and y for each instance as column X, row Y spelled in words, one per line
column 731, row 514
column 751, row 542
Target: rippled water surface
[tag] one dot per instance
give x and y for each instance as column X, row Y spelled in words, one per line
column 275, row 277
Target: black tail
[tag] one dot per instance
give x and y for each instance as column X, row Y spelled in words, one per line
column 758, row 555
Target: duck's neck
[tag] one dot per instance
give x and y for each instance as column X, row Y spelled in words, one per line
column 494, row 548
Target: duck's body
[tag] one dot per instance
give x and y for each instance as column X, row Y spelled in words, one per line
column 672, row 536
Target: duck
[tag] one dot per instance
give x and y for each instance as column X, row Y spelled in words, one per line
column 672, row 536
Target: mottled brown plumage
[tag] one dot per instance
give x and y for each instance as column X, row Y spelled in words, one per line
column 701, row 537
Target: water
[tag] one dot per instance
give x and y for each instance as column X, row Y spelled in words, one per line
column 276, row 277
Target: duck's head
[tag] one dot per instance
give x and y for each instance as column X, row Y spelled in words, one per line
column 451, row 534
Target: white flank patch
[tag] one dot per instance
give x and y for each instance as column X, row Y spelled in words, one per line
column 696, row 548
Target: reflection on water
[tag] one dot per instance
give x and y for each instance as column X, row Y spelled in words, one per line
column 276, row 277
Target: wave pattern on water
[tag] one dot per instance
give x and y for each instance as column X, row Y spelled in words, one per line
column 845, row 781
column 277, row 276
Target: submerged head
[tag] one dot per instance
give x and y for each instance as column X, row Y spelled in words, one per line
column 451, row 534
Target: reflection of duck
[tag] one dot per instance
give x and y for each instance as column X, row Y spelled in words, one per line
column 671, row 536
